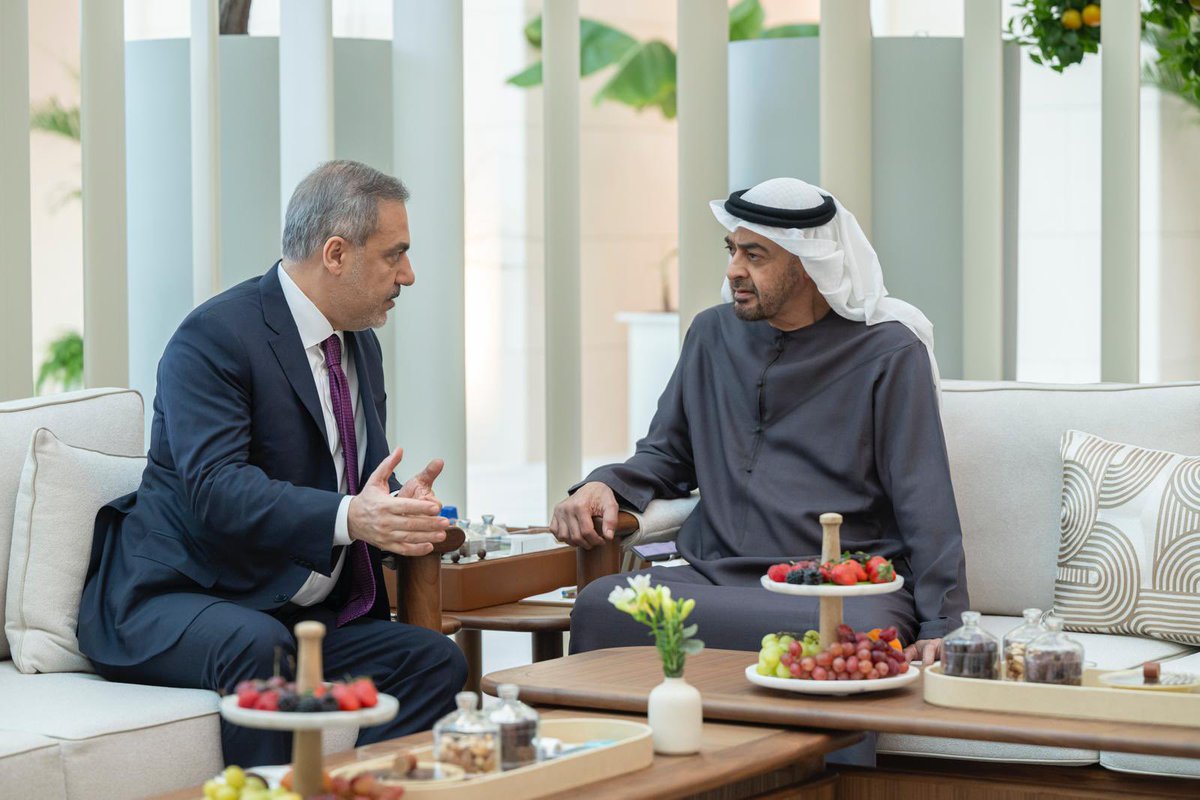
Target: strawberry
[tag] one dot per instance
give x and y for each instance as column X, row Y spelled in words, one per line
column 844, row 574
column 368, row 695
column 827, row 571
column 247, row 696
column 860, row 573
column 883, row 573
column 268, row 701
column 778, row 572
column 875, row 561
column 346, row 697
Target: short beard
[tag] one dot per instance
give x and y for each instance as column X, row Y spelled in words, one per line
column 769, row 304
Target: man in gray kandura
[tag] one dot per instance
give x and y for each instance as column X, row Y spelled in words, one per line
column 778, row 411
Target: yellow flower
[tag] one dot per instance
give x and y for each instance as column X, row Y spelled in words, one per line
column 688, row 605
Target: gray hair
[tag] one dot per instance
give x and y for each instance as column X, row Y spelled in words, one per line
column 338, row 198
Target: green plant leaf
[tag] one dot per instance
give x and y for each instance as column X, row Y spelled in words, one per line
column 599, row 46
column 645, row 77
column 692, row 646
column 53, row 117
column 690, row 631
column 791, row 32
column 530, row 76
column 746, row 20
column 64, row 363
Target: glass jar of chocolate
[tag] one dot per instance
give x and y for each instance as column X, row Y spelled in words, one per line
column 467, row 738
column 970, row 651
column 518, row 725
column 1016, row 640
column 1054, row 657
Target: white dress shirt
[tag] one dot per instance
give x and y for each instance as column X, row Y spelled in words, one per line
column 314, row 329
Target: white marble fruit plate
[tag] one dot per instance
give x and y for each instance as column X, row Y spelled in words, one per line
column 828, row 590
column 382, row 711
column 832, row 687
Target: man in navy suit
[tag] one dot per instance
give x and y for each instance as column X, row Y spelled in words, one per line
column 267, row 496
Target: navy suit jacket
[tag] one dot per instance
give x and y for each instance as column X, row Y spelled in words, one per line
column 239, row 497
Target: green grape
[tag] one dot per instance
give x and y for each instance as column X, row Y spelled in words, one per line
column 781, row 671
column 786, row 639
column 770, row 656
column 812, row 636
column 770, row 640
column 227, row 793
column 254, row 784
column 235, row 777
column 763, row 669
column 211, row 788
column 810, row 649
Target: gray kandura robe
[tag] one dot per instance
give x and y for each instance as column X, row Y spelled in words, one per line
column 776, row 428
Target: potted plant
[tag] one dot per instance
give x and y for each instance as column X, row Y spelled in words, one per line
column 674, row 708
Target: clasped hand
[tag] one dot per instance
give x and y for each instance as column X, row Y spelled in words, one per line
column 406, row 523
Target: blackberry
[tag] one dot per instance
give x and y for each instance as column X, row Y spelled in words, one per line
column 812, row 577
column 308, row 704
column 796, row 576
column 288, row 701
column 329, row 703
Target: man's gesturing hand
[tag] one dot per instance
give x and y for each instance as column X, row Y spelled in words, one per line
column 407, row 524
column 572, row 521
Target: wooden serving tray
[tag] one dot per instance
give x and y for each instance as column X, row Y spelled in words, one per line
column 632, row 750
column 1089, row 701
column 496, row 581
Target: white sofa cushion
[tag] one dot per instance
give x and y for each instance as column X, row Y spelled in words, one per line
column 1129, row 558
column 108, row 420
column 30, row 766
column 1003, row 440
column 61, row 490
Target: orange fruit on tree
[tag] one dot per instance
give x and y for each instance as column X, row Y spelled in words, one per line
column 1091, row 15
column 1072, row 20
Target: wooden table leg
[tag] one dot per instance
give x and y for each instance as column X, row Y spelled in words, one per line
column 547, row 645
column 471, row 643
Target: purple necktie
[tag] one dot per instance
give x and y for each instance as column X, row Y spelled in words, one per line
column 362, row 585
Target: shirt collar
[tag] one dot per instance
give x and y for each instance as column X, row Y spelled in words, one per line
column 314, row 328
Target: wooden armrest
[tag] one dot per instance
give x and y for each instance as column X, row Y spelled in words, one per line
column 604, row 559
column 419, row 584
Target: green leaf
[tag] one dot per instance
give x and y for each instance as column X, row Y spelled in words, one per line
column 690, row 631
column 692, row 646
column 791, row 32
column 530, row 76
column 599, row 46
column 64, row 363
column 53, row 117
column 645, row 77
column 746, row 20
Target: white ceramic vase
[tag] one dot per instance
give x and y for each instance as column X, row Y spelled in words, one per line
column 675, row 716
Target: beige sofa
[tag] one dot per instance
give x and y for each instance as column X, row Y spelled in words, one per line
column 1003, row 440
column 72, row 734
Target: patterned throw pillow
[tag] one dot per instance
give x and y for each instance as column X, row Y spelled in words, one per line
column 1129, row 558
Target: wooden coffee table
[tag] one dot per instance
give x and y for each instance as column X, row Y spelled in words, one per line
column 735, row 761
column 545, row 624
column 621, row 678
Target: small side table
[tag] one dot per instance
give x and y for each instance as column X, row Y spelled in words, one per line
column 545, row 623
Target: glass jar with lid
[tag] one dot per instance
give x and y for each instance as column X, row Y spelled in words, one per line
column 495, row 537
column 1054, row 657
column 1016, row 640
column 518, row 725
column 467, row 738
column 970, row 651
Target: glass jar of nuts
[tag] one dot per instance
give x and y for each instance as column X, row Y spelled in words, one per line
column 467, row 738
column 1016, row 640
column 518, row 728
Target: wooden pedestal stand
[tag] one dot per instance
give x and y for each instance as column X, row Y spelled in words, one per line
column 307, row 770
column 831, row 549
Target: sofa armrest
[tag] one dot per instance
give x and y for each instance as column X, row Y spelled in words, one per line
column 417, row 591
column 661, row 520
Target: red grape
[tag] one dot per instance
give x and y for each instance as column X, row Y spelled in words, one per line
column 852, row 664
column 794, row 649
column 902, row 668
column 864, row 654
column 865, row 666
column 794, row 668
column 883, row 669
column 835, row 649
column 839, row 664
column 786, row 659
column 819, row 674
column 808, row 663
column 824, row 659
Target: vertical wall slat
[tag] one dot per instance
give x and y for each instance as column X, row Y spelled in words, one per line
column 206, row 151
column 428, row 327
column 102, row 130
column 845, row 105
column 16, row 311
column 564, row 394
column 305, row 91
column 983, row 192
column 1120, row 179
column 703, row 91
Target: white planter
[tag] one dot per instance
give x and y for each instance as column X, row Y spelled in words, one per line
column 676, row 717
column 653, row 351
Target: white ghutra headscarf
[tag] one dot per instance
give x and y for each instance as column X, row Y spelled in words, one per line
column 810, row 223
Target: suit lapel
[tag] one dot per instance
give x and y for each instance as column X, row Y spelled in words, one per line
column 287, row 347
column 376, row 438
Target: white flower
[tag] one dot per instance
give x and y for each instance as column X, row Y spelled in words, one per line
column 640, row 583
column 621, row 595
